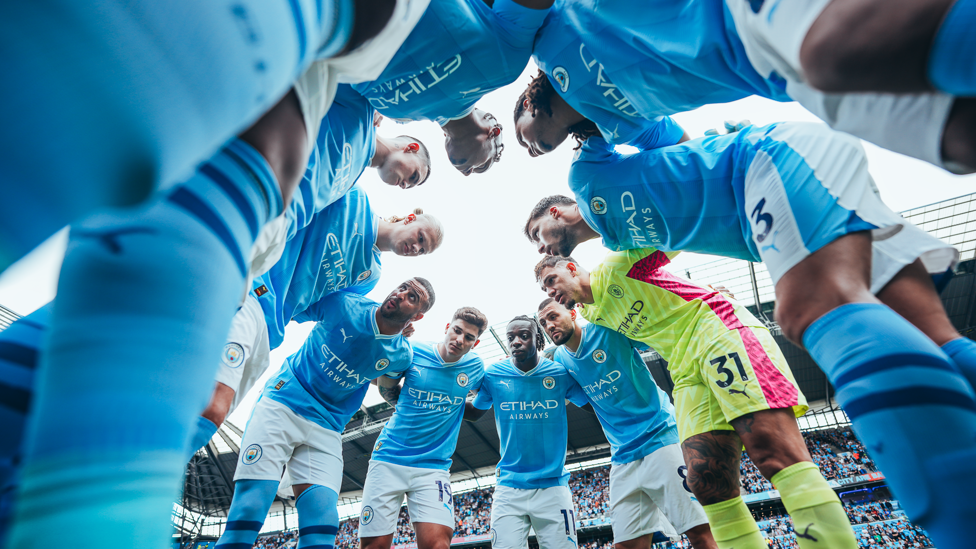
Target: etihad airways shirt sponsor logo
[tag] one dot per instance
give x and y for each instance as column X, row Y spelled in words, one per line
column 339, row 372
column 608, row 88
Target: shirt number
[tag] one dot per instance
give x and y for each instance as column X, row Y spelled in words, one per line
column 569, row 519
column 443, row 490
column 762, row 217
column 719, row 364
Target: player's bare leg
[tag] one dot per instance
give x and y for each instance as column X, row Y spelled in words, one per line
column 280, row 137
column 376, row 542
column 219, row 405
column 433, row 536
column 700, row 537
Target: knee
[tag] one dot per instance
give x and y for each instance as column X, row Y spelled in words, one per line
column 794, row 317
column 959, row 137
column 216, row 412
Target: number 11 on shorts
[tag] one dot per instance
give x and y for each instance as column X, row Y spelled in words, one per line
column 569, row 518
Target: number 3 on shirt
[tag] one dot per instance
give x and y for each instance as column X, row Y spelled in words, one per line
column 762, row 217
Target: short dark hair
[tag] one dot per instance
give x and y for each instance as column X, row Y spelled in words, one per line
column 550, row 261
column 430, row 291
column 540, row 339
column 545, row 303
column 542, row 207
column 472, row 316
column 424, row 155
column 539, row 94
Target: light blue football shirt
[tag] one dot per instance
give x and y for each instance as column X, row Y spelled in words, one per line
column 326, row 380
column 343, row 150
column 670, row 56
column 336, row 251
column 635, row 413
column 459, row 51
column 530, row 415
column 584, row 84
column 423, row 431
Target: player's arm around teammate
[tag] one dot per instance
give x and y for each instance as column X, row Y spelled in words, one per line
column 412, row 456
column 719, row 410
column 647, row 469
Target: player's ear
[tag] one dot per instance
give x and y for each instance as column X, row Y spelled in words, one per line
column 410, row 219
column 572, row 267
column 447, row 327
column 417, row 317
column 411, row 148
column 554, row 212
column 476, row 344
column 572, row 313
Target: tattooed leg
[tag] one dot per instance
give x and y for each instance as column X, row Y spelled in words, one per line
column 713, row 465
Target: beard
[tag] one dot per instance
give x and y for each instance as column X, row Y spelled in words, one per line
column 566, row 336
column 394, row 315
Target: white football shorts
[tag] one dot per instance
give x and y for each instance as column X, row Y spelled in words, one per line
column 648, row 495
column 551, row 512
column 276, row 436
column 910, row 124
column 246, row 353
column 428, row 493
column 808, row 186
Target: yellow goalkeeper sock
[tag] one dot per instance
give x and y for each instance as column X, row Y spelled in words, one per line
column 733, row 526
column 818, row 516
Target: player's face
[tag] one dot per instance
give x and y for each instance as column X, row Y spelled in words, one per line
column 538, row 132
column 521, row 339
column 415, row 238
column 557, row 321
column 407, row 301
column 551, row 236
column 476, row 152
column 560, row 284
column 405, row 169
column 460, row 337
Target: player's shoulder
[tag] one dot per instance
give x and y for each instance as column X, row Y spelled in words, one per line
column 549, row 367
column 472, row 360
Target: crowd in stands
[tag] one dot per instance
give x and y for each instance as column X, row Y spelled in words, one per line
column 837, row 452
column 279, row 540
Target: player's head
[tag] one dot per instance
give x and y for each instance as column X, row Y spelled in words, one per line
column 415, row 234
column 548, row 225
column 409, row 301
column 464, row 331
column 560, row 278
column 407, row 165
column 558, row 321
column 538, row 127
column 524, row 337
column 474, row 143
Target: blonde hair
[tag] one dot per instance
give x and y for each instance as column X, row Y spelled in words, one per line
column 433, row 222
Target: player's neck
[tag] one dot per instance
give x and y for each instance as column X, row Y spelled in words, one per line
column 561, row 111
column 586, row 288
column 529, row 364
column 388, row 327
column 384, row 147
column 581, row 229
column 385, row 232
column 461, row 128
column 442, row 350
column 577, row 338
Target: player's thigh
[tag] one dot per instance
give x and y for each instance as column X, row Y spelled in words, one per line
column 319, row 459
column 553, row 515
column 429, row 497
column 633, row 513
column 270, row 438
column 509, row 519
column 663, row 477
column 382, row 497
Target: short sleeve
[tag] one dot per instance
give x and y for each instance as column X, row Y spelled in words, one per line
column 519, row 23
column 660, row 132
column 575, row 393
column 483, row 400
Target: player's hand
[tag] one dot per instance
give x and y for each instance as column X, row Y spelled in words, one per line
column 377, row 119
column 408, row 330
column 731, row 126
column 722, row 289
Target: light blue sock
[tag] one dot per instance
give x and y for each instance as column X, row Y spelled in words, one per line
column 145, row 301
column 914, row 411
column 963, row 352
column 140, row 92
column 19, row 345
column 248, row 509
column 205, row 430
column 952, row 65
column 318, row 518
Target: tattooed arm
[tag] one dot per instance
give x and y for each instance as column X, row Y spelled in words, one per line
column 389, row 389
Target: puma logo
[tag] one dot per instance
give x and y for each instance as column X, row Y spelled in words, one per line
column 735, row 391
column 505, row 383
column 771, row 245
column 806, row 534
column 344, row 336
column 110, row 239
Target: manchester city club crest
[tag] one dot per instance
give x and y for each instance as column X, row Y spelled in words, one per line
column 598, row 205
column 549, row 382
column 599, row 356
column 615, row 291
column 462, row 379
column 233, row 355
column 251, row 454
column 561, row 76
column 367, row 515
column 364, row 275
column 493, row 535
column 382, row 363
